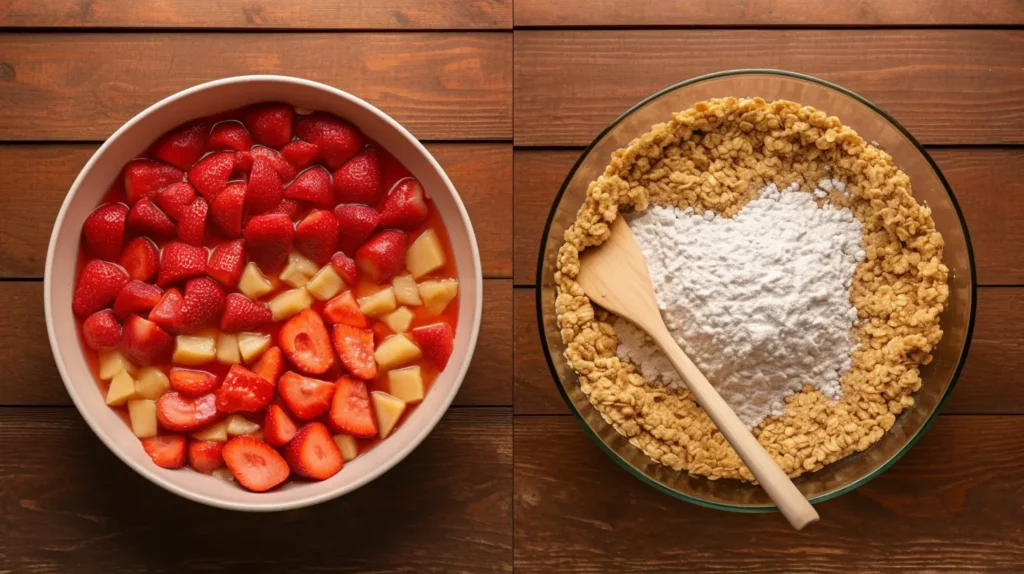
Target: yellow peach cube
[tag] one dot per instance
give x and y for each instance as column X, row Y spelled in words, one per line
column 407, row 384
column 438, row 294
column 399, row 319
column 113, row 362
column 378, row 304
column 325, row 284
column 424, row 255
column 388, row 410
column 217, row 432
column 227, row 349
column 151, row 383
column 121, row 390
column 290, row 303
column 254, row 284
column 347, row 445
column 142, row 414
column 406, row 290
column 396, row 351
column 252, row 345
column 194, row 349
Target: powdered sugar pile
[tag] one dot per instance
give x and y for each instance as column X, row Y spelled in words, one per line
column 759, row 301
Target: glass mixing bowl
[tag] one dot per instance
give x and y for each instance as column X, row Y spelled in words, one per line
column 929, row 187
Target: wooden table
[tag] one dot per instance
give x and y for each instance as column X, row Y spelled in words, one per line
column 508, row 479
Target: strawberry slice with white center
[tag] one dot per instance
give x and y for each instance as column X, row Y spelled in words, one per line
column 306, row 343
column 212, row 173
column 405, row 207
column 436, row 342
column 179, row 413
column 344, row 310
column 179, row 261
column 101, row 331
column 183, row 146
column 355, row 349
column 192, row 383
column 316, row 236
column 144, row 178
column 167, row 451
column 312, row 185
column 243, row 391
column 306, row 398
column 145, row 218
column 243, row 314
column 140, row 258
column 270, row 124
column 136, row 297
column 103, row 230
column 351, row 412
column 98, row 285
column 144, row 342
column 268, row 240
column 254, row 463
column 383, row 256
column 313, row 453
column 227, row 262
column 355, row 225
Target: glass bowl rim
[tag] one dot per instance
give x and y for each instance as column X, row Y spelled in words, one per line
column 579, row 416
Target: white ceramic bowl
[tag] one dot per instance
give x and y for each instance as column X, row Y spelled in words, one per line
column 130, row 141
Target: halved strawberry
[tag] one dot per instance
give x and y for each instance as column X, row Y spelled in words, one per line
column 346, row 268
column 359, row 180
column 101, row 331
column 355, row 224
column 300, row 154
column 254, row 463
column 306, row 343
column 103, row 230
column 383, row 256
column 98, row 285
column 244, row 391
column 312, row 185
column 264, row 190
column 192, row 224
column 277, row 161
column 140, row 258
column 229, row 135
column 405, row 207
column 355, row 349
column 169, row 311
column 288, row 207
column 243, row 314
column 227, row 209
column 179, row 413
column 268, row 240
column 183, row 146
column 270, row 124
column 270, row 365
column 144, row 342
column 316, row 236
column 436, row 342
column 175, row 199
column 243, row 161
column 204, row 303
column 351, row 412
column 313, row 453
column 144, row 178
column 227, row 262
column 305, row 398
column 337, row 139
column 167, row 451
column 278, row 427
column 180, row 261
column 212, row 173
column 343, row 309
column 205, row 456
column 145, row 218
column 192, row 383
column 136, row 297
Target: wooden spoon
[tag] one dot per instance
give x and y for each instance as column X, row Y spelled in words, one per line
column 614, row 275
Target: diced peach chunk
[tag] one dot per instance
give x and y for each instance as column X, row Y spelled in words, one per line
column 151, row 383
column 396, row 351
column 347, row 445
column 121, row 390
column 223, row 473
column 298, row 270
column 194, row 349
column 424, row 255
column 217, row 432
column 252, row 345
column 399, row 319
column 406, row 290
column 388, row 410
column 407, row 384
column 227, row 349
column 113, row 362
column 239, row 425
column 378, row 304
column 289, row 303
column 325, row 284
column 438, row 294
column 142, row 414
column 254, row 284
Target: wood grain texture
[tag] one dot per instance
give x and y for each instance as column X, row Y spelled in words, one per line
column 31, row 377
column 945, row 86
column 946, row 506
column 446, row 508
column 37, row 177
column 80, row 86
column 988, row 183
column 989, row 384
column 737, row 13
column 258, row 14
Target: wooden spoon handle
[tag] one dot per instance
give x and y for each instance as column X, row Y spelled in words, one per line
column 779, row 487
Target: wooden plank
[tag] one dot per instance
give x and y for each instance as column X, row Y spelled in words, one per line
column 945, row 86
column 31, row 377
column 738, row 13
column 259, row 14
column 989, row 384
column 447, row 507
column 577, row 511
column 79, row 86
column 37, row 176
column 988, row 183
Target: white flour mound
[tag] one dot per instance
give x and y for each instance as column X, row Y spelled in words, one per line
column 760, row 301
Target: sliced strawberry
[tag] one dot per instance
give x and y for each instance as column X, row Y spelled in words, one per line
column 204, row 304
column 300, row 154
column 227, row 209
column 346, row 267
column 405, row 207
column 229, row 135
column 175, row 199
column 436, row 342
column 101, row 331
column 271, row 364
column 192, row 224
column 337, row 139
column 343, row 309
column 98, row 285
column 180, row 261
column 243, row 314
column 140, row 259
column 144, row 178
column 270, row 124
column 355, row 349
column 305, row 398
column 284, row 169
column 355, row 225
column 145, row 218
column 265, row 190
column 313, row 453
column 268, row 240
column 243, row 161
column 136, row 297
column 183, row 146
column 103, row 230
column 312, row 185
column 167, row 451
column 144, row 342
column 205, row 456
column 244, row 391
column 316, row 236
column 288, row 207
column 192, row 383
column 383, row 256
column 169, row 311
column 179, row 413
column 254, row 463
column 278, row 427
column 212, row 173
column 359, row 180
column 227, row 262
column 351, row 412
column 306, row 343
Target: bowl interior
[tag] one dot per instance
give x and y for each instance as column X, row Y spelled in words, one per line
column 127, row 143
column 928, row 187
